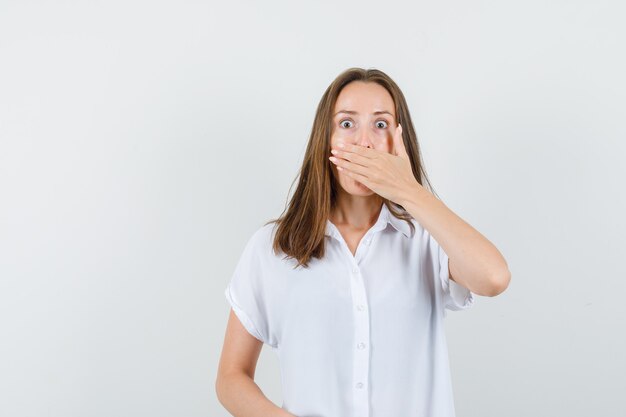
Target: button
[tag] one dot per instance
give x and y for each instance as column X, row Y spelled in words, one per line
column 360, row 307
column 355, row 270
column 359, row 385
column 367, row 242
column 361, row 345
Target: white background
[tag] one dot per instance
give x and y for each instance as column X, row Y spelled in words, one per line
column 142, row 142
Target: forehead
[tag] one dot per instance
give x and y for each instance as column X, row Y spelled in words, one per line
column 364, row 98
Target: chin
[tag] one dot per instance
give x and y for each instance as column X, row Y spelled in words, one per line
column 353, row 187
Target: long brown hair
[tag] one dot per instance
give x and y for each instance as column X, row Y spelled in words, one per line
column 301, row 229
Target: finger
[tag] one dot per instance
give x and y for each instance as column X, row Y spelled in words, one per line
column 349, row 166
column 399, row 148
column 354, row 155
column 363, row 151
column 358, row 177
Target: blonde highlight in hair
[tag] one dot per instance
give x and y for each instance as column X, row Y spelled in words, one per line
column 300, row 231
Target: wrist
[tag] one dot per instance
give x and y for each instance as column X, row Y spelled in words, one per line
column 413, row 195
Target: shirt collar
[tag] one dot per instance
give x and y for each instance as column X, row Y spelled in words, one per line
column 385, row 217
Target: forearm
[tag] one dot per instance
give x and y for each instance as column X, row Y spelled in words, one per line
column 242, row 397
column 478, row 265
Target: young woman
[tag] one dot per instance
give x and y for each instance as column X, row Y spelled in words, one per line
column 350, row 285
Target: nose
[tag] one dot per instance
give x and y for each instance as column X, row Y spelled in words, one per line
column 363, row 138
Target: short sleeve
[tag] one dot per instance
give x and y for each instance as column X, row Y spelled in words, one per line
column 246, row 291
column 455, row 296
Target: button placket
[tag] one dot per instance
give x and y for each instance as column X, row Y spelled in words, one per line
column 361, row 363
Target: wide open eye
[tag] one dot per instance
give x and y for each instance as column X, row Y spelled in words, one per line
column 384, row 122
column 341, row 123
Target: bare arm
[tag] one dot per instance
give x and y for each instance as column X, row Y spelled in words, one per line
column 235, row 386
column 474, row 262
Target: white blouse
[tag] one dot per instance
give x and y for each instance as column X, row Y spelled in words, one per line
column 356, row 336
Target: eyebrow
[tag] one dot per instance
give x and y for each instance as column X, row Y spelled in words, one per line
column 354, row 112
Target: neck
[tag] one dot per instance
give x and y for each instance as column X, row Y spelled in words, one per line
column 356, row 212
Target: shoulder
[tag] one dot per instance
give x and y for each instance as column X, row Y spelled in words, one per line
column 264, row 235
column 260, row 241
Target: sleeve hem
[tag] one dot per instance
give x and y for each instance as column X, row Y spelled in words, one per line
column 245, row 320
column 457, row 296
column 462, row 297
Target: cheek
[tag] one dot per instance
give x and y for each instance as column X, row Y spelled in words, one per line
column 340, row 135
column 384, row 146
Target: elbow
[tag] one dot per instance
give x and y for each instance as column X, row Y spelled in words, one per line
column 500, row 282
column 217, row 387
column 228, row 386
column 221, row 387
